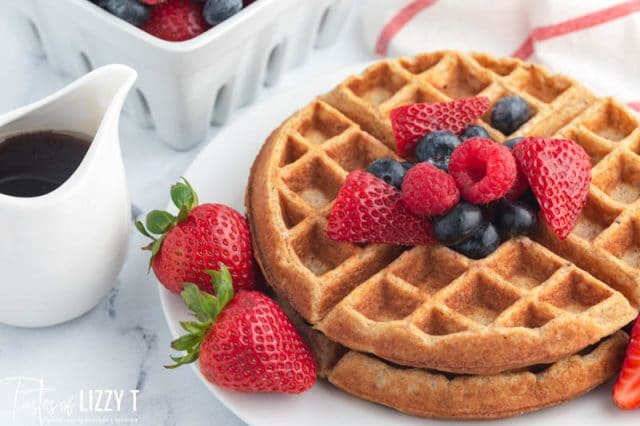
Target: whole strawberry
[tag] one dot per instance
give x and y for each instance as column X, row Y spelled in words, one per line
column 200, row 237
column 626, row 391
column 245, row 343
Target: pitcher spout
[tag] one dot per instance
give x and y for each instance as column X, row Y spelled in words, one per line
column 80, row 107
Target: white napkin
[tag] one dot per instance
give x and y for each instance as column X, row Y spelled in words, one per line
column 594, row 41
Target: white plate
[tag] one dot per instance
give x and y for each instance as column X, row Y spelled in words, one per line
column 219, row 174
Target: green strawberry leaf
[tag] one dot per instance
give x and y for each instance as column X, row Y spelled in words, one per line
column 183, row 196
column 159, row 221
column 186, row 342
column 186, row 359
column 206, row 308
column 203, row 305
column 223, row 284
column 140, row 227
column 194, row 327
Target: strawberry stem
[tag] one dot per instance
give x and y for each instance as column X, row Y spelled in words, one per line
column 206, row 308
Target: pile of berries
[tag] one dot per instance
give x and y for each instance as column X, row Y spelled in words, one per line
column 173, row 20
column 461, row 188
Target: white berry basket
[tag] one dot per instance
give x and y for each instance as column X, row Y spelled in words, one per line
column 186, row 86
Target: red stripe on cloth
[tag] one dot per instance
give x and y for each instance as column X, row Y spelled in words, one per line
column 398, row 22
column 576, row 24
column 634, row 106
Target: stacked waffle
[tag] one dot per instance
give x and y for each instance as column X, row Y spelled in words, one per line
column 426, row 330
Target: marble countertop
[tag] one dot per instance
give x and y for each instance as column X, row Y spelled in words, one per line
column 121, row 345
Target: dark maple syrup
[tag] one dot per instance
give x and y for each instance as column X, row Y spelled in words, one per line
column 36, row 163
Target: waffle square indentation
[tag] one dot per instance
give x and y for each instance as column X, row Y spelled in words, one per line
column 501, row 66
column 541, row 85
column 611, row 121
column 624, row 242
column 314, row 181
column 595, row 217
column 575, row 291
column 377, row 84
column 293, row 150
column 421, row 63
column 528, row 315
column 619, row 177
column 438, row 323
column 525, row 265
column 429, row 268
column 481, row 298
column 594, row 147
column 322, row 123
column 460, row 80
column 318, row 253
column 358, row 151
column 292, row 211
column 387, row 301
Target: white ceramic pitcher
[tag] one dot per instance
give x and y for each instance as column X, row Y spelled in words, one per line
column 60, row 252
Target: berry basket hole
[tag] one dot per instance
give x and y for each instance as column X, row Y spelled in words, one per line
column 221, row 105
column 36, row 33
column 86, row 62
column 274, row 65
column 322, row 26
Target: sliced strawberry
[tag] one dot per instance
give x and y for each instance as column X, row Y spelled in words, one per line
column 176, row 20
column 559, row 173
column 626, row 391
column 368, row 210
column 411, row 123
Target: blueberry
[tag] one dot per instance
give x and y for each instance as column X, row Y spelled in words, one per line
column 457, row 224
column 407, row 165
column 389, row 170
column 216, row 11
column 511, row 143
column 515, row 218
column 436, row 148
column 101, row 3
column 509, row 114
column 131, row 11
column 530, row 200
column 474, row 131
column 484, row 241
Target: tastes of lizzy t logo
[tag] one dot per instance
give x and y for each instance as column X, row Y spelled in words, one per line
column 27, row 401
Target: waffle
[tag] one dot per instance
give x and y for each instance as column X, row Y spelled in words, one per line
column 426, row 306
column 429, row 393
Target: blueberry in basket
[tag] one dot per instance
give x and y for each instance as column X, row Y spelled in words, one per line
column 173, row 20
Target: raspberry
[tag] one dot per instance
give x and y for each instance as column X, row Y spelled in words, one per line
column 483, row 170
column 369, row 210
column 428, row 191
column 519, row 186
column 411, row 123
column 559, row 173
